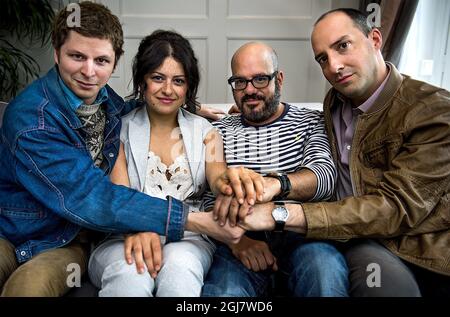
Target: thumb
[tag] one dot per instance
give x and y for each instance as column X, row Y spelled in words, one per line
column 275, row 266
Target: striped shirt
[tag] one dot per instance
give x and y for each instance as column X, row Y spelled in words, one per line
column 296, row 140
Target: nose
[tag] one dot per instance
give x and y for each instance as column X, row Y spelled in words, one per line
column 335, row 64
column 87, row 69
column 167, row 88
column 250, row 89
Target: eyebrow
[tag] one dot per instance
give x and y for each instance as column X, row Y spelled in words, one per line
column 318, row 56
column 256, row 75
column 158, row 73
column 74, row 51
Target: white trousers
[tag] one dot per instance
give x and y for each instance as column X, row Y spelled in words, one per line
column 184, row 265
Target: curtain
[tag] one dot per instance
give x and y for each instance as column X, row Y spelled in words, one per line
column 396, row 19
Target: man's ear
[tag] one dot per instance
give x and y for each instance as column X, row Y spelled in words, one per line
column 377, row 38
column 280, row 78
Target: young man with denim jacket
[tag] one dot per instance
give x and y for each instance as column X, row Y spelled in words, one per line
column 59, row 141
column 390, row 138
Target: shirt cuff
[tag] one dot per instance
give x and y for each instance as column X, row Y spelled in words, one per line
column 176, row 219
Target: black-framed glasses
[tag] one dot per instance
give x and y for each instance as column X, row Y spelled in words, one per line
column 260, row 81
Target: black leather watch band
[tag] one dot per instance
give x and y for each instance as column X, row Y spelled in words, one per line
column 285, row 185
column 279, row 226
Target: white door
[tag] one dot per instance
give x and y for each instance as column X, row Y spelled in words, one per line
column 216, row 28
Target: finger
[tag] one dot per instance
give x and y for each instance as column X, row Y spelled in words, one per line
column 127, row 247
column 157, row 253
column 234, row 109
column 218, row 111
column 275, row 266
column 233, row 211
column 270, row 259
column 245, row 260
column 254, row 264
column 138, row 256
column 219, row 201
column 244, row 210
column 261, row 260
column 223, row 185
column 258, row 182
column 148, row 256
column 234, row 175
column 223, row 210
column 247, row 183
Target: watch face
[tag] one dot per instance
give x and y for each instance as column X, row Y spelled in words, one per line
column 280, row 214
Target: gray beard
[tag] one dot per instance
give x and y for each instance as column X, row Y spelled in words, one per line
column 270, row 107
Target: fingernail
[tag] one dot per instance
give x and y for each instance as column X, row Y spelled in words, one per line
column 260, row 197
column 241, row 201
column 222, row 223
column 141, row 270
column 251, row 202
column 215, row 218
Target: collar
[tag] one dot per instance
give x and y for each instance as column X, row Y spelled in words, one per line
column 384, row 93
column 74, row 101
column 54, row 92
column 366, row 105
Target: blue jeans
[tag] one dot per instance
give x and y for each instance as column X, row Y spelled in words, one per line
column 312, row 269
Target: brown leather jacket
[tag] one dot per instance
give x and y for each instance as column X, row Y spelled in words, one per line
column 400, row 170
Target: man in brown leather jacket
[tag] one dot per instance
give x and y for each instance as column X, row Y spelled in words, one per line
column 390, row 138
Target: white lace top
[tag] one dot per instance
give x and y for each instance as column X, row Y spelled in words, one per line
column 162, row 181
column 175, row 181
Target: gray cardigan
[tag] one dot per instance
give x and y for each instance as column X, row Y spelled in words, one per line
column 135, row 136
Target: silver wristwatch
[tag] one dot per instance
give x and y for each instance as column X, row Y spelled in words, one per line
column 280, row 214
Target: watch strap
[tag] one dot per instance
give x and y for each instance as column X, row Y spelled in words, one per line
column 285, row 186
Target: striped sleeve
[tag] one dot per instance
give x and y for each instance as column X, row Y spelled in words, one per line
column 318, row 159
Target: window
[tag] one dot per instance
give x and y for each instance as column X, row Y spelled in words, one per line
column 426, row 52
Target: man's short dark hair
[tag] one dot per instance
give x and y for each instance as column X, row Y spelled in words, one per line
column 359, row 18
column 96, row 21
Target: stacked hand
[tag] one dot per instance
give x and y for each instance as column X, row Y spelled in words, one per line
column 243, row 183
column 229, row 207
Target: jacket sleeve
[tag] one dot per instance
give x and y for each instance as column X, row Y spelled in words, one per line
column 62, row 177
column 410, row 197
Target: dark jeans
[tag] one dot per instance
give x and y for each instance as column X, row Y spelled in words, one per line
column 397, row 278
column 312, row 268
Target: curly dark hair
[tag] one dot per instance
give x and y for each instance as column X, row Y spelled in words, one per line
column 152, row 52
column 96, row 21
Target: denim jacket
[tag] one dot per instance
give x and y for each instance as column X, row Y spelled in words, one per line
column 49, row 185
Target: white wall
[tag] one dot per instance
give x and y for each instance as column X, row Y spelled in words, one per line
column 216, row 28
column 284, row 24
